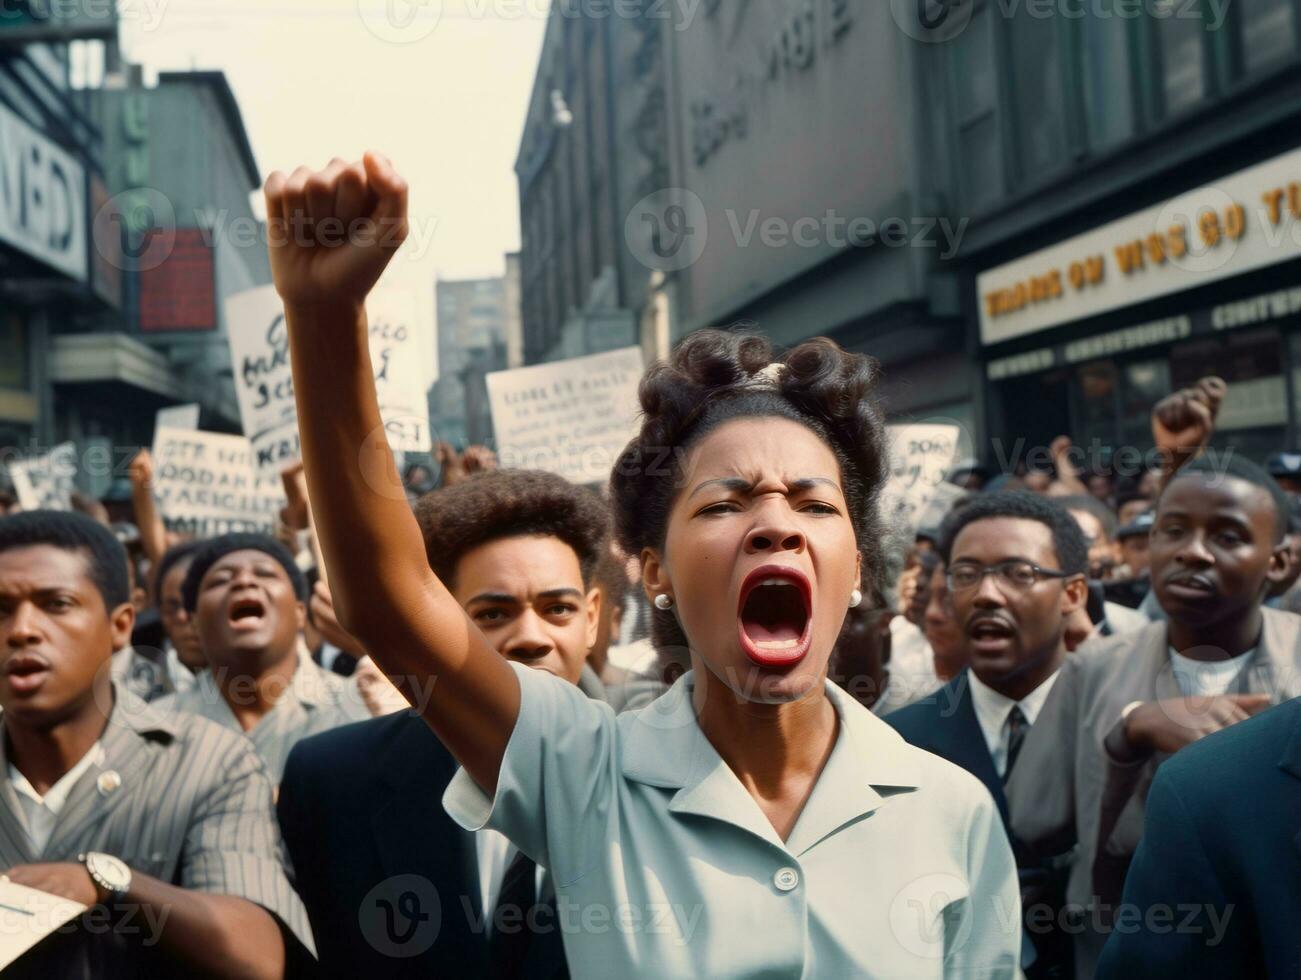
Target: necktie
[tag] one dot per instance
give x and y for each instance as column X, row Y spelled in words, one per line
column 508, row 944
column 1016, row 729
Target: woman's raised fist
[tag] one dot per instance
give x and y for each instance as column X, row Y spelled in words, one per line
column 332, row 232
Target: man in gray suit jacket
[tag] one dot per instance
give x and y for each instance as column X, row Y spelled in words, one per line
column 163, row 829
column 1124, row 704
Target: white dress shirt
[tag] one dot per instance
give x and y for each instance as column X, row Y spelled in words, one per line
column 495, row 854
column 993, row 708
column 664, row 864
column 40, row 813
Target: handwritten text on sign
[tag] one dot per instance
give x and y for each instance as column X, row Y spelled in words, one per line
column 401, row 354
column 920, row 457
column 46, row 483
column 572, row 417
column 206, row 485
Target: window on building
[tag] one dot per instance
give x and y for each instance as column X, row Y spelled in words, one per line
column 1106, row 75
column 1146, row 383
column 1253, row 416
column 975, row 82
column 1037, row 92
column 1181, row 38
column 13, row 341
column 1096, row 402
column 1266, row 33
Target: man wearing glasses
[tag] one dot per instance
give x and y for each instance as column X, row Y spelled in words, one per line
column 1123, row 705
column 1016, row 563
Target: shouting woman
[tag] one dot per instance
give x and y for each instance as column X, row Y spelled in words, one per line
column 755, row 821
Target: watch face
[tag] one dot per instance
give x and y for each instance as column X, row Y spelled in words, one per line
column 115, row 875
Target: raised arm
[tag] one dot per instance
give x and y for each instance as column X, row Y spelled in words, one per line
column 332, row 233
column 153, row 535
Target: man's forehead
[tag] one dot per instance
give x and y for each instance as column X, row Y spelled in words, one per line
column 46, row 566
column 1009, row 535
column 1221, row 491
column 244, row 558
column 520, row 566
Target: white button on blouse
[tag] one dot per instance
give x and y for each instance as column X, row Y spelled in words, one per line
column 665, row 866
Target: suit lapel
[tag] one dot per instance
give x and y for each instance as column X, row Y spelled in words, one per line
column 409, row 777
column 15, row 846
column 101, row 789
column 1290, row 762
column 1274, row 668
column 964, row 742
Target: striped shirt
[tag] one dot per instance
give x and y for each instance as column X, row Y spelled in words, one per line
column 189, row 804
column 315, row 701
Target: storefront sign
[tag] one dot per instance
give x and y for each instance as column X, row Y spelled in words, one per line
column 42, row 198
column 1254, row 311
column 1246, row 221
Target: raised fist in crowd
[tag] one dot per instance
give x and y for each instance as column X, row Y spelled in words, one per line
column 332, row 232
column 1182, row 422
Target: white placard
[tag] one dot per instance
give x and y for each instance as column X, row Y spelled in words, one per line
column 205, row 484
column 177, row 417
column 571, row 417
column 921, row 456
column 401, row 344
column 27, row 916
column 1241, row 222
column 46, row 482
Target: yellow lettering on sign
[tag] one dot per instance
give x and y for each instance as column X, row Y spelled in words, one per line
column 1129, row 257
column 1273, row 200
column 1235, row 222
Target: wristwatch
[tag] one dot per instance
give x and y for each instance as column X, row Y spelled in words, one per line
column 110, row 874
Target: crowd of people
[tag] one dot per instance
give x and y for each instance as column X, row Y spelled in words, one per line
column 718, row 718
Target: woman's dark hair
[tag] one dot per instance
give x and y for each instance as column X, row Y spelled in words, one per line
column 507, row 504
column 715, row 376
column 177, row 554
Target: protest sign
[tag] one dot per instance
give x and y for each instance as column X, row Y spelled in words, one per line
column 205, row 484
column 46, row 482
column 401, row 350
column 177, row 417
column 921, row 455
column 570, row 417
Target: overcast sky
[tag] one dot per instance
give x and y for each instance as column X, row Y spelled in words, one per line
column 439, row 85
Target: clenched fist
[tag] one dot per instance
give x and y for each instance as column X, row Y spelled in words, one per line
column 1182, row 423
column 333, row 231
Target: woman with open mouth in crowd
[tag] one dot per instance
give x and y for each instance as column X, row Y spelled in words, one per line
column 755, row 821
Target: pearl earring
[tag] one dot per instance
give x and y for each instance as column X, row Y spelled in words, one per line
column 664, row 601
column 855, row 599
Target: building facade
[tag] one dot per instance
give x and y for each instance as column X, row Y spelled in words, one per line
column 56, row 286
column 594, row 143
column 476, row 320
column 1133, row 182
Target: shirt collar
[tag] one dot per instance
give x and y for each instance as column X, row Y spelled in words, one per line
column 57, row 795
column 992, row 708
column 664, row 746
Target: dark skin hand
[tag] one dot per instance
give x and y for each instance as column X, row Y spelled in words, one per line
column 1182, row 423
column 212, row 935
column 1169, row 725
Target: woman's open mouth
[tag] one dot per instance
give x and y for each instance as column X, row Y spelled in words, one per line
column 775, row 619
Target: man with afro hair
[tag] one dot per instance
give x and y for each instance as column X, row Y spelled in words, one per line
column 519, row 550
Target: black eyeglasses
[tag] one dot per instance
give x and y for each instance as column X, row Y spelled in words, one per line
column 1016, row 575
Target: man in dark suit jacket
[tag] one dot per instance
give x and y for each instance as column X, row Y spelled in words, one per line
column 392, row 885
column 1214, row 889
column 1016, row 564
